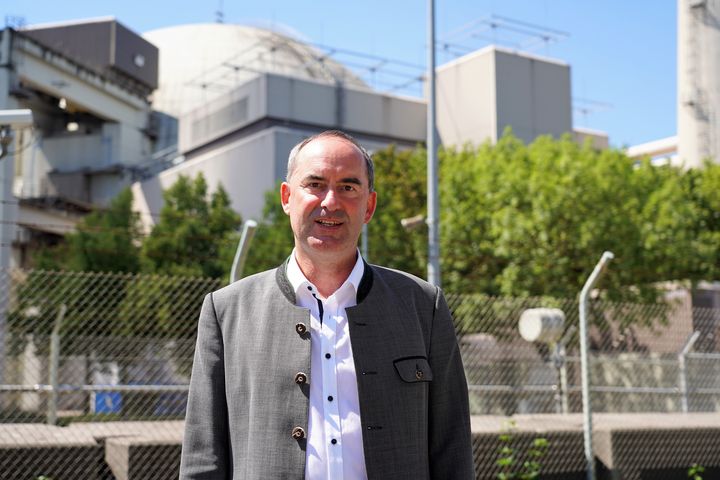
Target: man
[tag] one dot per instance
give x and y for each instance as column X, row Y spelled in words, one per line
column 327, row 367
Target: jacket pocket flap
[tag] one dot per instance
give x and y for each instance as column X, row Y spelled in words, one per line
column 414, row 369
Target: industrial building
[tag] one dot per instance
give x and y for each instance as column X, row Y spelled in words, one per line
column 256, row 93
column 230, row 100
column 93, row 131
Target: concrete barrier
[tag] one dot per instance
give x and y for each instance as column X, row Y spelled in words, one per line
column 627, row 447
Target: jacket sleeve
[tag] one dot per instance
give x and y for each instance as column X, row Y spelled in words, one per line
column 205, row 450
column 450, row 444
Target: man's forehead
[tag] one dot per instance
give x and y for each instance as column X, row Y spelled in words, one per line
column 331, row 147
column 319, row 156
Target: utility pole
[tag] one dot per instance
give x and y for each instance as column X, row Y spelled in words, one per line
column 433, row 200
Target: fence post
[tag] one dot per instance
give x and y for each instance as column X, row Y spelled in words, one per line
column 584, row 362
column 682, row 370
column 561, row 352
column 55, row 366
column 5, row 288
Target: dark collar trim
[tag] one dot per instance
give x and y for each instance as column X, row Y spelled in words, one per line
column 286, row 287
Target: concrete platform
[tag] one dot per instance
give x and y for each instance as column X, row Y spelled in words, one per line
column 641, row 446
column 627, row 446
column 112, row 450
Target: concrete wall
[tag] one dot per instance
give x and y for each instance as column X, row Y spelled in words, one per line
column 466, row 99
column 533, row 96
column 246, row 168
column 626, row 447
column 480, row 94
column 313, row 105
column 222, row 116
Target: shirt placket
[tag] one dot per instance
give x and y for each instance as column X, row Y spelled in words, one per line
column 333, row 431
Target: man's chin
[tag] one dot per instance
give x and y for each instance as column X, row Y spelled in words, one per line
column 329, row 246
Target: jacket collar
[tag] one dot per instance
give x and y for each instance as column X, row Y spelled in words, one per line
column 287, row 289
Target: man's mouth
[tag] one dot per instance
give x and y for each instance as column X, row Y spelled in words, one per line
column 328, row 223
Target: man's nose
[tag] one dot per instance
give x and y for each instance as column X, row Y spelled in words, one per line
column 330, row 200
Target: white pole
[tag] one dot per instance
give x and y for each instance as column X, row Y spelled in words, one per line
column 55, row 366
column 433, row 200
column 682, row 371
column 242, row 250
column 584, row 363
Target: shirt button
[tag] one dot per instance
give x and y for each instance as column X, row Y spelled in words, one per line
column 333, row 441
column 330, row 398
column 300, row 378
column 298, row 433
column 300, row 328
column 327, row 355
column 419, row 374
column 309, row 288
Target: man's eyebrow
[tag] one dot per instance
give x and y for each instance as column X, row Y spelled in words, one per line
column 308, row 178
column 354, row 180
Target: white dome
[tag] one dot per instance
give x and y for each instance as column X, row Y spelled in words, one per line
column 202, row 61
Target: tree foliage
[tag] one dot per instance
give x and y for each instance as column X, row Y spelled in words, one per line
column 194, row 235
column 273, row 239
column 106, row 240
column 533, row 220
column 400, row 185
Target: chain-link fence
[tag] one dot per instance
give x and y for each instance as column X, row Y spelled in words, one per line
column 95, row 368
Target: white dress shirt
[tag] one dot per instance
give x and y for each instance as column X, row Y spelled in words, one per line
column 334, row 441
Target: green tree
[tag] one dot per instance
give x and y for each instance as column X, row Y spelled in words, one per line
column 194, row 234
column 106, row 240
column 401, row 193
column 533, row 220
column 273, row 239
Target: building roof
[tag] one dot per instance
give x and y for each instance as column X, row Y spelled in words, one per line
column 200, row 62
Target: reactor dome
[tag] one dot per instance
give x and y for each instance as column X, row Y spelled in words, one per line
column 200, row 62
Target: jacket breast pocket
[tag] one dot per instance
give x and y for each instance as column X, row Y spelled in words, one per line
column 413, row 369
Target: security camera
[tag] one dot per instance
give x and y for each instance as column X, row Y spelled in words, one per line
column 18, row 118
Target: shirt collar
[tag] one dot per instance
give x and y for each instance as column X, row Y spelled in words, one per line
column 299, row 282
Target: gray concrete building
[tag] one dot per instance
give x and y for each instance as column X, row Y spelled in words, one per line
column 88, row 85
column 247, row 95
column 484, row 92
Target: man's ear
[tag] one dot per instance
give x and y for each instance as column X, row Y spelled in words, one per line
column 285, row 197
column 371, row 204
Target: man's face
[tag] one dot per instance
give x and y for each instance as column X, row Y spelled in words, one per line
column 327, row 199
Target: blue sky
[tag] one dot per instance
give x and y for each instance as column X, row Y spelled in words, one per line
column 622, row 53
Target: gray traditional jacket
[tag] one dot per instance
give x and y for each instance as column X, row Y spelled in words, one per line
column 246, row 414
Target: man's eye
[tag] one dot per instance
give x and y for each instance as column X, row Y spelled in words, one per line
column 313, row 185
column 349, row 188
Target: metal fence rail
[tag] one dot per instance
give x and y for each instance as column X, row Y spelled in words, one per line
column 78, row 350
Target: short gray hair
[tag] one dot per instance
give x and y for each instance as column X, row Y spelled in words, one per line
column 292, row 159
